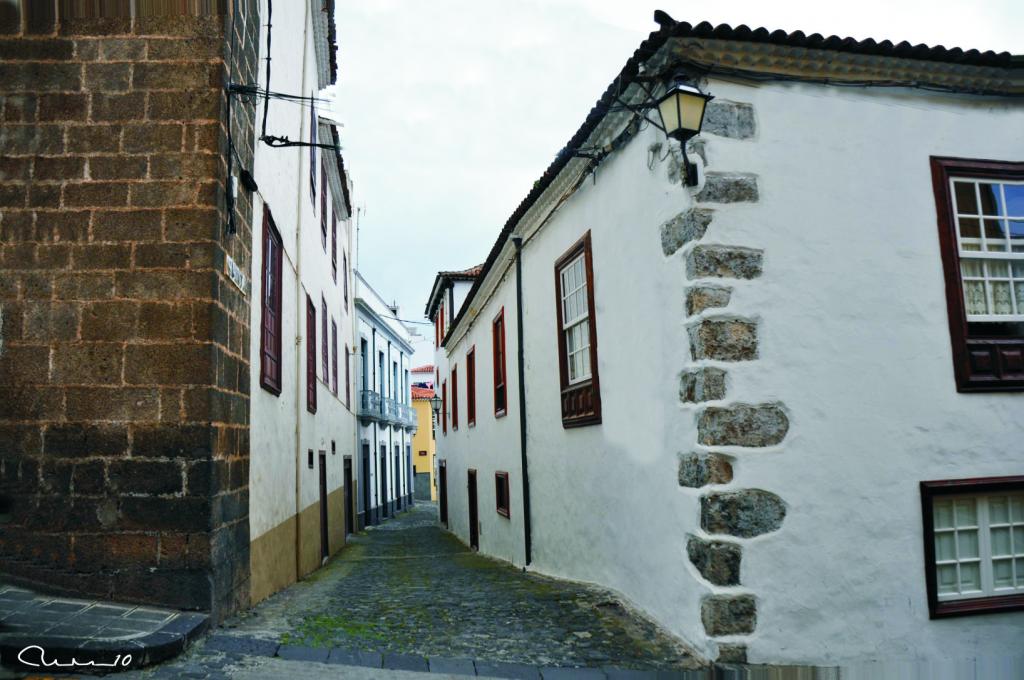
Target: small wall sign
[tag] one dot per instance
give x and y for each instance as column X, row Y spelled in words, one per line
column 237, row 276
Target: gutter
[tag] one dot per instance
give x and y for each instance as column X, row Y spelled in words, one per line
column 520, row 360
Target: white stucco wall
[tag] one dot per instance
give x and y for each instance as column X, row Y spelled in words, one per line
column 281, row 428
column 854, row 341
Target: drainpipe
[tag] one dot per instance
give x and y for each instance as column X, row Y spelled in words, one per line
column 300, row 312
column 518, row 242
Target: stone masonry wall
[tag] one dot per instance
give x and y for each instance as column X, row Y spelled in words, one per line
column 123, row 345
column 726, row 427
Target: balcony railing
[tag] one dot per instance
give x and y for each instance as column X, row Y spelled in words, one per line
column 372, row 406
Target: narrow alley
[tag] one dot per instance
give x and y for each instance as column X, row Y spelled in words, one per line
column 407, row 595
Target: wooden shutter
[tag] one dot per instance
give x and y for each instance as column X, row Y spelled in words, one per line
column 348, row 380
column 334, row 247
column 270, row 324
column 498, row 355
column 444, row 408
column 471, row 386
column 455, row 398
column 310, row 355
column 334, row 357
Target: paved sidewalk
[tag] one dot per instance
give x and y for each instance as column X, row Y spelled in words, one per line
column 36, row 629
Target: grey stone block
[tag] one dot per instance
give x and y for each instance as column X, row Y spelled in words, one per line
column 683, row 228
column 729, row 119
column 700, row 298
column 355, row 657
column 702, row 384
column 700, row 469
column 730, row 262
column 728, row 187
column 554, row 673
column 729, row 614
column 296, row 653
column 746, row 513
column 499, row 669
column 732, row 653
column 451, row 666
column 405, row 662
column 242, row 645
column 742, row 425
column 717, row 561
column 724, row 340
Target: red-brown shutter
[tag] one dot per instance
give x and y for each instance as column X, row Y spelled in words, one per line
column 471, row 386
column 324, row 351
column 444, row 407
column 498, row 355
column 348, row 381
column 270, row 326
column 323, row 204
column 334, row 247
column 455, row 398
column 310, row 355
column 334, row 357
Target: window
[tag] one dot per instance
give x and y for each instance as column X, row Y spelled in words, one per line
column 324, row 351
column 323, row 204
column 498, row 342
column 270, row 337
column 334, row 357
column 344, row 256
column 310, row 355
column 455, row 397
column 348, row 380
column 334, row 247
column 577, row 336
column 974, row 545
column 980, row 208
column 471, row 386
column 423, row 453
column 501, row 494
column 440, row 317
column 444, row 408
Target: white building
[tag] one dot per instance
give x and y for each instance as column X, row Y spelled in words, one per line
column 302, row 436
column 386, row 418
column 762, row 408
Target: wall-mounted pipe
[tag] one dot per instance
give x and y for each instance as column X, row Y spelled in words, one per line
column 527, row 543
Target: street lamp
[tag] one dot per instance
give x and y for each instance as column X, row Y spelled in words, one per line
column 435, row 403
column 682, row 113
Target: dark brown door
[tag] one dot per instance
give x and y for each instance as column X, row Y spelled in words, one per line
column 383, row 478
column 442, row 491
column 325, row 548
column 474, row 522
column 350, row 507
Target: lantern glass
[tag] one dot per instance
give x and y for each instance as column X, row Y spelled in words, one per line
column 682, row 111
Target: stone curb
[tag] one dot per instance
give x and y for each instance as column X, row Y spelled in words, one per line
column 153, row 648
column 492, row 669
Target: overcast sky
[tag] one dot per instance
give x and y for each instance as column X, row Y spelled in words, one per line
column 453, row 108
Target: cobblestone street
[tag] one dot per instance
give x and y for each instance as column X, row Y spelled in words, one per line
column 409, row 589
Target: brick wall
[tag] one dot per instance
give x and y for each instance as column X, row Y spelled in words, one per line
column 123, row 346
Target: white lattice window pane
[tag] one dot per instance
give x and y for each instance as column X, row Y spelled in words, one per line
column 1001, row 301
column 1020, row 572
column 970, row 228
column 1014, row 194
column 943, row 513
column 966, row 199
column 999, row 510
column 972, row 269
column 1018, row 540
column 967, row 544
column 948, row 579
column 966, row 512
column 1017, row 508
column 1002, row 573
column 995, row 235
column 585, row 362
column 1001, row 542
column 945, row 546
column 991, row 197
column 970, row 577
column 975, row 298
column 1016, row 231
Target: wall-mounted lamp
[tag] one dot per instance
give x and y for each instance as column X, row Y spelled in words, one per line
column 682, row 113
column 435, row 403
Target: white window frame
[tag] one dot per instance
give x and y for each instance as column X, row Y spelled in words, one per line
column 984, row 256
column 985, row 559
column 582, row 317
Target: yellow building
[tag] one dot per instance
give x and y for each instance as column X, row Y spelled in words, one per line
column 423, row 445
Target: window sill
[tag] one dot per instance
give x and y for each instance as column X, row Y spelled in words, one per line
column 273, row 389
column 979, row 605
column 500, row 414
column 472, row 424
column 505, row 513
